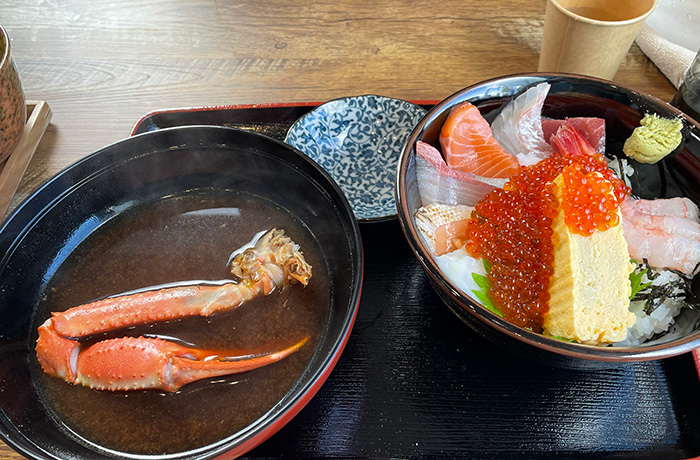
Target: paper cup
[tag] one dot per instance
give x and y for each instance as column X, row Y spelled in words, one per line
column 13, row 111
column 590, row 37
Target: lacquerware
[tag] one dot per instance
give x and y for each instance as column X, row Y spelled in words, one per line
column 65, row 211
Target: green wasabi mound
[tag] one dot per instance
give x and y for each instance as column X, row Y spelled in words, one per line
column 654, row 139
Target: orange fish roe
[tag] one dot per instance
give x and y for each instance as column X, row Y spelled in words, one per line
column 512, row 228
column 569, row 143
column 586, row 201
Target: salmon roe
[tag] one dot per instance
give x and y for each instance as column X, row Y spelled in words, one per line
column 586, row 201
column 512, row 228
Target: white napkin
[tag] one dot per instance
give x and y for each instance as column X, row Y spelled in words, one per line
column 672, row 59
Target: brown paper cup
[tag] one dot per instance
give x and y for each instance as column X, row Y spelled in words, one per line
column 13, row 111
column 590, row 37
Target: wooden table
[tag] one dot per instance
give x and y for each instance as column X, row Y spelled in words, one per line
column 102, row 65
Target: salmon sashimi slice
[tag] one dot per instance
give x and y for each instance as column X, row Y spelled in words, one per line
column 469, row 146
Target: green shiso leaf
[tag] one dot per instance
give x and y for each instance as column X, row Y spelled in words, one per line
column 481, row 281
column 486, row 301
column 484, row 286
column 636, row 281
column 562, row 339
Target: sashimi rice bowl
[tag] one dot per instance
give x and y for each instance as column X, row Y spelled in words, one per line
column 559, row 212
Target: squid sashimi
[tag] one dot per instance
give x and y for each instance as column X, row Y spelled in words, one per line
column 469, row 146
column 592, row 129
column 518, row 127
column 438, row 183
column 664, row 232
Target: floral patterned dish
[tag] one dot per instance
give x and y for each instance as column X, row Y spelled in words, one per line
column 358, row 141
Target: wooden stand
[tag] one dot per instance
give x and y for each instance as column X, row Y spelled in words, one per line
column 11, row 172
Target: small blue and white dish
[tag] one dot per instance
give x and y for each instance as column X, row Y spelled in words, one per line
column 358, row 141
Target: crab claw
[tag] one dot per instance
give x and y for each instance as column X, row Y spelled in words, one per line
column 57, row 354
column 140, row 363
column 131, row 363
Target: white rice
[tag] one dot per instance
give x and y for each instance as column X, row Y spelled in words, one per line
column 669, row 317
column 661, row 319
column 458, row 267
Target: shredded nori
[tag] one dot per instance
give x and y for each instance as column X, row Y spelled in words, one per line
column 679, row 290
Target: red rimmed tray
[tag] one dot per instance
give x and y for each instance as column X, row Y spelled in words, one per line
column 415, row 382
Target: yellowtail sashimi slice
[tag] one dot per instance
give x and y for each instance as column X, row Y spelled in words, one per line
column 438, row 183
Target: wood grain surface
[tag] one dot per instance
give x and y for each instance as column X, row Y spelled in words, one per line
column 12, row 170
column 101, row 65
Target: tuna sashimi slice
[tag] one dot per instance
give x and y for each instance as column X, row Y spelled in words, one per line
column 469, row 145
column 438, row 183
column 570, row 143
column 518, row 127
column 592, row 129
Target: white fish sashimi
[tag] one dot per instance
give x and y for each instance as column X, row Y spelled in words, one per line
column 438, row 183
column 518, row 127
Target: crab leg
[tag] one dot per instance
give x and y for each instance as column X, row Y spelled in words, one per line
column 270, row 261
column 152, row 306
column 140, row 363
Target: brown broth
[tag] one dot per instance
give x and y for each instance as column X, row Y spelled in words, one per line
column 183, row 238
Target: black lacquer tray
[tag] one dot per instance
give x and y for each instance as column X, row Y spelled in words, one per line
column 415, row 382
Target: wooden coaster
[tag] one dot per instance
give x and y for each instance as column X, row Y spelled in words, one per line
column 11, row 172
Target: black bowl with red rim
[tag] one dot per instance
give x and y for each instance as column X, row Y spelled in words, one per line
column 171, row 206
column 569, row 96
